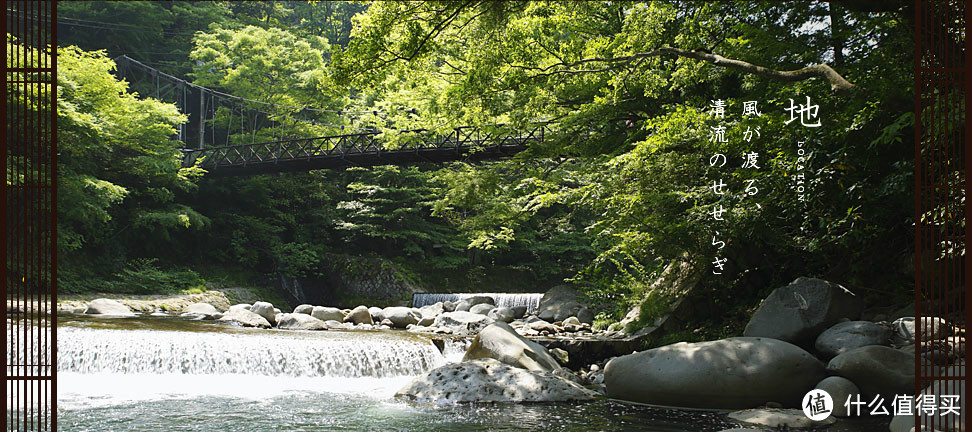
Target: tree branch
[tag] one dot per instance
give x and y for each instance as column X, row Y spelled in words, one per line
column 837, row 83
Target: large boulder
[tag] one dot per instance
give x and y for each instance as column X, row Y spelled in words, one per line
column 376, row 314
column 401, row 317
column 265, row 310
column 103, row 306
column 488, row 380
column 462, row 322
column 201, row 308
column 800, row 311
column 839, row 389
column 499, row 341
column 299, row 321
column 239, row 306
column 734, row 373
column 558, row 303
column 933, row 328
column 304, row 309
column 877, row 370
column 481, row 309
column 849, row 335
column 245, row 318
column 325, row 313
column 503, row 314
column 466, row 304
column 359, row 315
column 432, row 310
column 951, row 422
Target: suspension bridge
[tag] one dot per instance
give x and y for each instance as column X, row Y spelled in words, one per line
column 228, row 135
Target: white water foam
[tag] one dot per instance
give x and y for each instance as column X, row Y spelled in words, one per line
column 531, row 300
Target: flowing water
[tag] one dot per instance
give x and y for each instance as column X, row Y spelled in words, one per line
column 530, row 300
column 171, row 374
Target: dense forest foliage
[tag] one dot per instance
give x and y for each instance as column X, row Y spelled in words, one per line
column 621, row 189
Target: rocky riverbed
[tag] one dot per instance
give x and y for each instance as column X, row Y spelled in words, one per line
column 806, row 335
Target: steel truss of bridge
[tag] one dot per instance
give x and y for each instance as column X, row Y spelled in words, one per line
column 364, row 150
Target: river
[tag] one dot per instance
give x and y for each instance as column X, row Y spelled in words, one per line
column 167, row 374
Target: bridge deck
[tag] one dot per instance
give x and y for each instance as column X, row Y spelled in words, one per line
column 362, row 149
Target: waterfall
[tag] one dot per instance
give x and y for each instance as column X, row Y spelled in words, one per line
column 266, row 353
column 531, row 300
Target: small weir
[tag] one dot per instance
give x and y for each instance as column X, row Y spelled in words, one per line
column 530, row 300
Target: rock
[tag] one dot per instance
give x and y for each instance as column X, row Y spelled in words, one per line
column 304, row 309
column 519, row 311
column 481, row 309
column 432, row 310
column 572, row 321
column 733, row 373
column 839, row 389
column 488, row 380
column 277, row 311
column 103, row 306
column 503, row 314
column 448, row 306
column 245, row 318
column 800, row 311
column 876, row 370
column 904, row 329
column 585, row 316
column 541, row 325
column 325, row 313
column 499, row 341
column 265, row 310
column 241, row 306
column 201, row 309
column 299, row 321
column 784, row 419
column 401, row 316
column 376, row 315
column 466, row 304
column 562, row 356
column 359, row 315
column 949, row 422
column 957, row 343
column 463, row 322
column 845, row 336
column 336, row 325
column 558, row 303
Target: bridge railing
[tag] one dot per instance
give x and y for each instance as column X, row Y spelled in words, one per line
column 461, row 141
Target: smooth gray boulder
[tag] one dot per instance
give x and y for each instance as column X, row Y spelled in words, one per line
column 359, row 315
column 950, row 422
column 400, row 316
column 934, row 328
column 265, row 310
column 481, row 309
column 201, row 308
column 558, row 303
column 462, row 322
column 304, row 309
column 325, row 313
column 103, row 306
column 448, row 306
column 799, row 312
column 432, row 310
column 876, row 370
column 503, row 314
column 848, row 335
column 488, row 380
column 299, row 321
column 519, row 311
column 499, row 341
column 245, row 318
column 466, row 304
column 839, row 389
column 734, row 373
column 585, row 315
column 376, row 315
column 239, row 306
